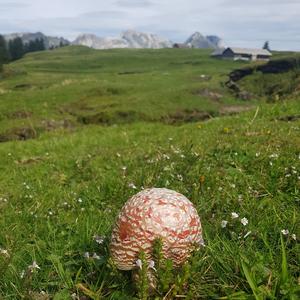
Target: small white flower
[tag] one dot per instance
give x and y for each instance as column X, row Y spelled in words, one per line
column 124, row 168
column 294, row 236
column 99, row 239
column 288, row 175
column 285, row 231
column 33, row 266
column 234, row 215
column 257, row 154
column 74, row 296
column 220, row 189
column 95, row 256
column 224, row 223
column 132, row 186
column 179, row 177
column 86, row 255
column 151, row 265
column 244, row 221
column 22, row 274
column 274, row 155
column 4, row 252
column 79, row 200
column 139, row 264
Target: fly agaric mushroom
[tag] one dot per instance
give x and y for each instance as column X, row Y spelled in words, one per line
column 156, row 213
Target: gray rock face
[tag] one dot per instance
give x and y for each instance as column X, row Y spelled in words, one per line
column 136, row 39
column 49, row 41
column 93, row 41
column 215, row 40
column 197, row 40
column 128, row 39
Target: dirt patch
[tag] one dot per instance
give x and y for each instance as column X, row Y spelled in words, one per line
column 234, row 109
column 289, row 118
column 18, row 134
column 110, row 118
column 20, row 114
column 186, row 116
column 215, row 96
column 50, row 125
column 22, row 86
column 131, row 72
column 30, row 160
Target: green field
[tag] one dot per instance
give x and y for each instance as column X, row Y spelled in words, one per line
column 83, row 130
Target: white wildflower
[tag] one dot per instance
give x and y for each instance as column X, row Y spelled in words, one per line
column 132, row 186
column 151, row 265
column 179, row 176
column 294, row 236
column 257, row 154
column 224, row 223
column 244, row 221
column 33, row 266
column 99, row 239
column 285, row 231
column 22, row 274
column 79, row 200
column 95, row 256
column 234, row 215
column 4, row 252
column 86, row 255
column 124, row 168
column 274, row 155
column 139, row 264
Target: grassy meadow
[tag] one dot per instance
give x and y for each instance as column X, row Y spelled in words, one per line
column 82, row 130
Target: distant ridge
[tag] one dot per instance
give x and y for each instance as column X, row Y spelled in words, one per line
column 197, row 40
column 49, row 41
column 128, row 39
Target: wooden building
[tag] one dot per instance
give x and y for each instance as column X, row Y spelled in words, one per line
column 243, row 54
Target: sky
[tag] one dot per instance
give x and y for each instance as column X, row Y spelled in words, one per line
column 239, row 23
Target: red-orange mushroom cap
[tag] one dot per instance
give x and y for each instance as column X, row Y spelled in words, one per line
column 151, row 214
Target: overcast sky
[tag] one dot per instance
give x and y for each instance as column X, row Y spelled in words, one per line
column 239, row 22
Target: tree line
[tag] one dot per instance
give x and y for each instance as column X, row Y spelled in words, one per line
column 15, row 48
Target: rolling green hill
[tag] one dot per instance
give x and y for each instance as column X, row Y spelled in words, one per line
column 83, row 130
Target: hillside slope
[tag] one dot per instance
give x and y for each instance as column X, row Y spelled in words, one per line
column 61, row 190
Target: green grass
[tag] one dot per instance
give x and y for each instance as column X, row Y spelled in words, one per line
column 63, row 187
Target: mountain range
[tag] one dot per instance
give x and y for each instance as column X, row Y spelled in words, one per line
column 127, row 39
column 49, row 41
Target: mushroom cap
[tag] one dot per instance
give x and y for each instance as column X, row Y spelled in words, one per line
column 151, row 214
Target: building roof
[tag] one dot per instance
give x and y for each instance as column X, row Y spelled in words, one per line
column 250, row 51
